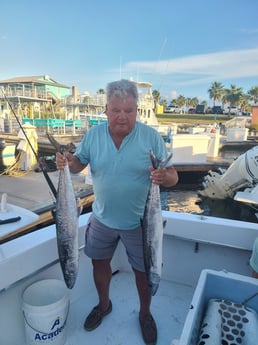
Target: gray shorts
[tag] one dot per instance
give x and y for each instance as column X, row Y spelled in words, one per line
column 101, row 242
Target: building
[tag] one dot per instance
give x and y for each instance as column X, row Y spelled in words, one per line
column 29, row 97
column 35, row 88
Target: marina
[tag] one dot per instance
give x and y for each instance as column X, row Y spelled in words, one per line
column 29, row 188
column 196, row 77
column 205, row 252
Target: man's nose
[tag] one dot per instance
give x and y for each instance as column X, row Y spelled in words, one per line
column 122, row 114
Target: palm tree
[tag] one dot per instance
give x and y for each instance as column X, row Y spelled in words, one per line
column 232, row 95
column 163, row 102
column 101, row 92
column 187, row 102
column 216, row 92
column 244, row 103
column 205, row 103
column 253, row 93
column 194, row 102
column 180, row 101
column 156, row 96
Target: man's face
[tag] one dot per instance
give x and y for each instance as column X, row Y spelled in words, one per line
column 121, row 115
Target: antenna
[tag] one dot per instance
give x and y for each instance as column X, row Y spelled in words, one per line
column 161, row 51
column 120, row 69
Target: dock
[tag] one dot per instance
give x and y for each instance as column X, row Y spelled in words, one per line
column 193, row 173
column 31, row 191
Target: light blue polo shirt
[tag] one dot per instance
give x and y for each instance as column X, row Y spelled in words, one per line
column 121, row 177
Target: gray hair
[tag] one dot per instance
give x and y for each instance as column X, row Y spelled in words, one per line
column 122, row 88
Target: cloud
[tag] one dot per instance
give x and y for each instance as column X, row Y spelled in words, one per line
column 249, row 31
column 202, row 68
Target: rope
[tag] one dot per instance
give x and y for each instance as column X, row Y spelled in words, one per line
column 15, row 168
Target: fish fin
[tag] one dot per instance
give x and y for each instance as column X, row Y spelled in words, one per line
column 60, row 148
column 54, row 142
column 164, row 223
column 165, row 161
column 156, row 163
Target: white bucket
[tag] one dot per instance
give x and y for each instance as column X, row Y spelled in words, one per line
column 45, row 310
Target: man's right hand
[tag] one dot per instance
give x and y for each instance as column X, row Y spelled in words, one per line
column 62, row 160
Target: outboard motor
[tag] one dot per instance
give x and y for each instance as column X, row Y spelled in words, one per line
column 241, row 174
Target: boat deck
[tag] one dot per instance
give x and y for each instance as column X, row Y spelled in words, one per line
column 121, row 327
column 205, row 242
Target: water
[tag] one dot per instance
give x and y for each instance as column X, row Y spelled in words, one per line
column 188, row 201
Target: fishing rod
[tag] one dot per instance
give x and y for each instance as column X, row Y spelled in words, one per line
column 42, row 166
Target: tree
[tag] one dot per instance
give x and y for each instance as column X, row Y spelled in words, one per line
column 101, row 92
column 216, row 92
column 232, row 95
column 180, row 101
column 163, row 102
column 194, row 102
column 253, row 93
column 205, row 103
column 244, row 103
column 156, row 96
column 187, row 102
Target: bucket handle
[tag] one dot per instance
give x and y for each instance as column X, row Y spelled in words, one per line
column 38, row 331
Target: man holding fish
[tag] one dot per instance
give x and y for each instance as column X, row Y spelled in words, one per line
column 121, row 167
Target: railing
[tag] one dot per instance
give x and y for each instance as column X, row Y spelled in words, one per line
column 54, row 125
column 94, row 122
column 34, row 93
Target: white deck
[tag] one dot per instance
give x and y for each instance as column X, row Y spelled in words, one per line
column 121, row 327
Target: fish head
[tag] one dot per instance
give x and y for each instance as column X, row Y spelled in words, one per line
column 70, row 147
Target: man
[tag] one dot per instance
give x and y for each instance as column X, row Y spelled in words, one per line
column 118, row 154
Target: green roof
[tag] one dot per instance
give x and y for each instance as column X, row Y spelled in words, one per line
column 42, row 79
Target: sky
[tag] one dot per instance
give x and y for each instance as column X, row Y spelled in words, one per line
column 180, row 46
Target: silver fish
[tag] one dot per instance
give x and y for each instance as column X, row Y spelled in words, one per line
column 67, row 228
column 66, row 218
column 152, row 228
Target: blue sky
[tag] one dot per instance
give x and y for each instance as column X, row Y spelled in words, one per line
column 180, row 46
